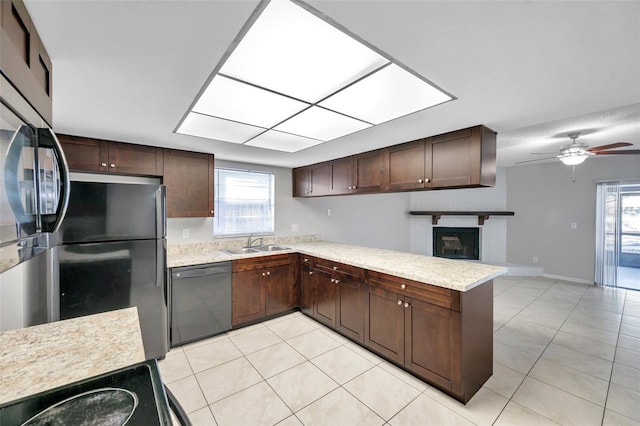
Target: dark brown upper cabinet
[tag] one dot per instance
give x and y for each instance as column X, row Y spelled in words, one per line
column 311, row 181
column 23, row 58
column 410, row 165
column 97, row 155
column 462, row 159
column 188, row 177
column 465, row 158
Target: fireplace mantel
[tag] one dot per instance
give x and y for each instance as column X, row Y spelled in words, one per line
column 482, row 216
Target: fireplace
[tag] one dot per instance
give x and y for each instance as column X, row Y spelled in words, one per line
column 456, row 243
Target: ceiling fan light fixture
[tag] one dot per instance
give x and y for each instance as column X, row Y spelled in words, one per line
column 573, row 160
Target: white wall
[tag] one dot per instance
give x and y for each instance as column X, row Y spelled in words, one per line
column 493, row 233
column 546, row 201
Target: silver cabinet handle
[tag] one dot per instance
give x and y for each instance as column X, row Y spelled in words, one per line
column 335, row 268
column 403, row 286
column 407, row 304
column 310, row 272
column 112, row 165
column 399, row 302
column 211, row 211
column 420, row 180
column 263, row 274
column 427, row 180
column 331, row 279
column 306, row 260
column 103, row 164
column 268, row 273
column 336, row 281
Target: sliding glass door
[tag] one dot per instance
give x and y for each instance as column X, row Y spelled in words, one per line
column 618, row 234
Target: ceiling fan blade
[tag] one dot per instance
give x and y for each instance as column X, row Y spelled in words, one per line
column 610, row 146
column 537, row 159
column 619, row 152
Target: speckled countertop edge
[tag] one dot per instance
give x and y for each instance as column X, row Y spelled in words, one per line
column 454, row 274
column 43, row 357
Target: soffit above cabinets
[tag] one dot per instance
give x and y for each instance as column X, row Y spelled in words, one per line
column 299, row 79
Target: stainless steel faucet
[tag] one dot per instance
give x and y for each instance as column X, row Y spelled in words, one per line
column 250, row 241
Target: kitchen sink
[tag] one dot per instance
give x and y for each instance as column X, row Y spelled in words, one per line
column 271, row 248
column 243, row 250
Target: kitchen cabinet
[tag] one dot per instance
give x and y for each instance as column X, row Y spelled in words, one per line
column 338, row 297
column 410, row 165
column 436, row 333
column 342, row 180
column 23, row 58
column 262, row 287
column 311, row 181
column 97, row 155
column 464, row 158
column 188, row 177
column 306, row 284
column 370, row 171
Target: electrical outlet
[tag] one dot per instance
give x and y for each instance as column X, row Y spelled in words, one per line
column 295, row 227
column 185, row 233
column 328, row 212
column 574, row 225
column 535, row 259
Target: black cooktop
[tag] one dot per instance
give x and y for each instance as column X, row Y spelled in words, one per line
column 131, row 396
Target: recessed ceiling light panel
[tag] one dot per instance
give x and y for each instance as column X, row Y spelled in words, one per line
column 389, row 93
column 319, row 123
column 293, row 52
column 280, row 141
column 205, row 126
column 237, row 101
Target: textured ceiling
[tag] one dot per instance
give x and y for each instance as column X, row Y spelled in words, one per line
column 530, row 70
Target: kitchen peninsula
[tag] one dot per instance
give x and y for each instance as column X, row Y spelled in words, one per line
column 431, row 316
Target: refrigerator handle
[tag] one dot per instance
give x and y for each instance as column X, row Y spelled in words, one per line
column 161, row 212
column 48, row 139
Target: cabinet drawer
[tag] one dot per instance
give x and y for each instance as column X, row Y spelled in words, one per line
column 337, row 268
column 439, row 296
column 251, row 263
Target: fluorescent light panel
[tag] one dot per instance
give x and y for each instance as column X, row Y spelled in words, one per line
column 294, row 52
column 276, row 78
column 205, row 126
column 389, row 93
column 282, row 141
column 319, row 123
column 233, row 100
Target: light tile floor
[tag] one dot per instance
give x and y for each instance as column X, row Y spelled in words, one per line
column 564, row 353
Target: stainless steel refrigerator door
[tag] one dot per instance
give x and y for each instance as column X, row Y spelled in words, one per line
column 99, row 277
column 112, row 212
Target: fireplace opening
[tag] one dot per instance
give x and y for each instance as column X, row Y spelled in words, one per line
column 456, row 243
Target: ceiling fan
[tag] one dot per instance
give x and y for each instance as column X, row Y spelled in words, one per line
column 575, row 153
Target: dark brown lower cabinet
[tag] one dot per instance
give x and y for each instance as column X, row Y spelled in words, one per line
column 262, row 286
column 450, row 346
column 324, row 298
column 350, row 307
column 306, row 284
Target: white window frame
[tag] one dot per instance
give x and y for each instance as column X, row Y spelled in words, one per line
column 221, row 212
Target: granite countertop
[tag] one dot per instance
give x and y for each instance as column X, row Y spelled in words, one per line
column 454, row 274
column 43, row 357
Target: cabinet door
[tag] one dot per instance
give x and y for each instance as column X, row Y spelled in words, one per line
column 370, row 171
column 135, row 159
column 301, row 181
column 84, row 154
column 306, row 298
column 324, row 298
column 410, row 165
column 350, row 298
column 279, row 286
column 341, row 176
column 320, row 178
column 428, row 331
column 247, row 296
column 188, row 177
column 456, row 158
column 384, row 324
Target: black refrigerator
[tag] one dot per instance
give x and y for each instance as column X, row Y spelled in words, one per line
column 112, row 255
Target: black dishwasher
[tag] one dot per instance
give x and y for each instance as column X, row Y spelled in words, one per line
column 200, row 302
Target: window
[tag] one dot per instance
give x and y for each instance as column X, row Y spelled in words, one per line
column 244, row 202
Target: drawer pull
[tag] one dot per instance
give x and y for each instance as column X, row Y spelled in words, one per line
column 310, row 272
column 335, row 268
column 403, row 286
column 399, row 302
column 407, row 304
column 103, row 164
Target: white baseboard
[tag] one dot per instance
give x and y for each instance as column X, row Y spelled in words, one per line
column 570, row 279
